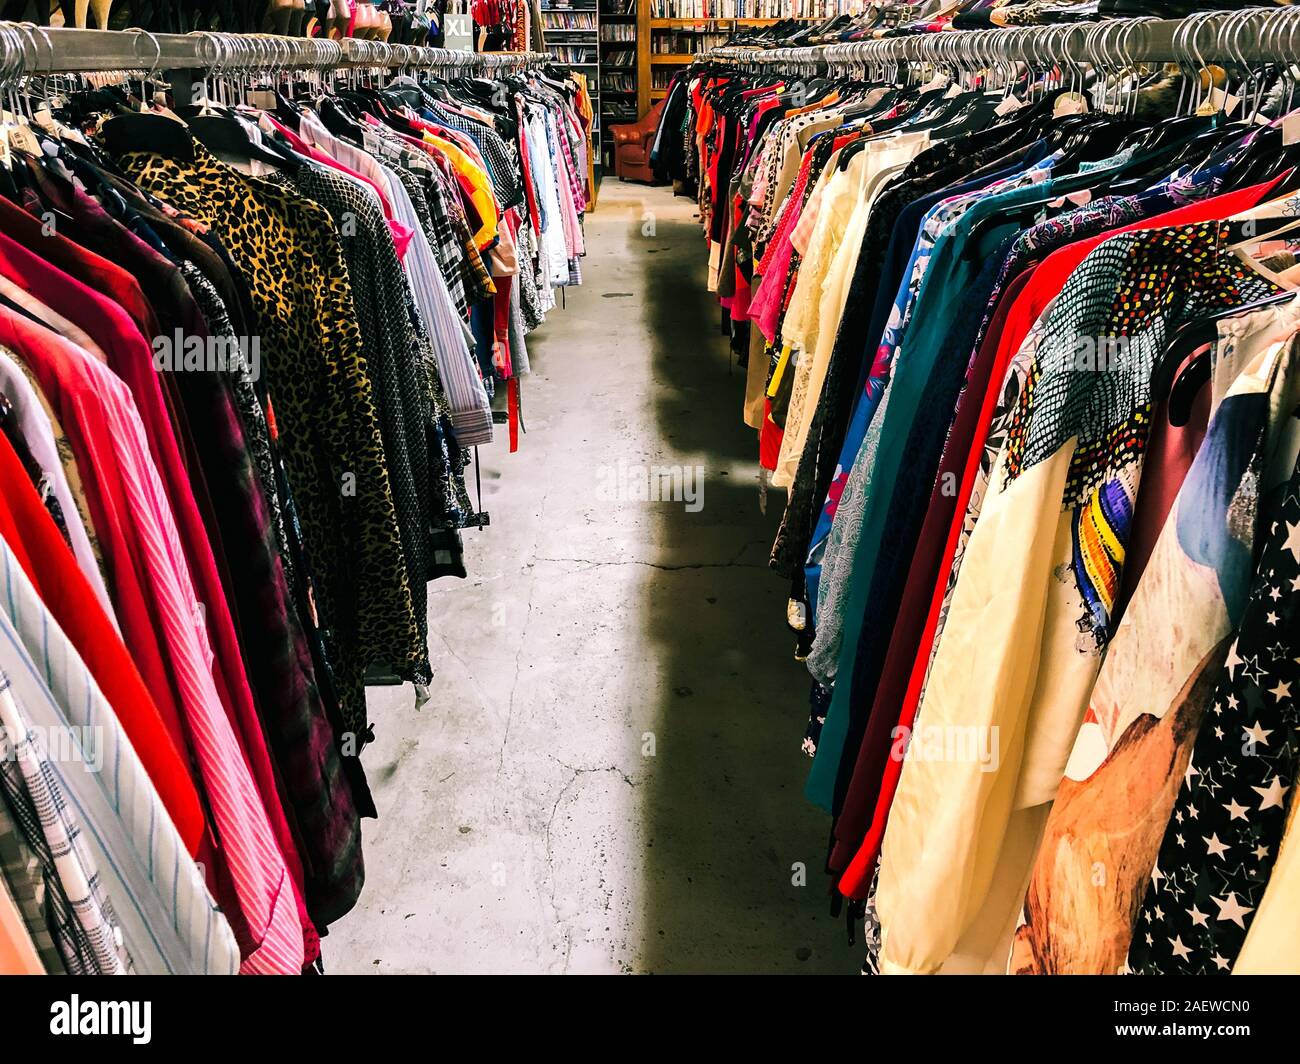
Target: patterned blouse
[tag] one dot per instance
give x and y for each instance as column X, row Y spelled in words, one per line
column 289, row 252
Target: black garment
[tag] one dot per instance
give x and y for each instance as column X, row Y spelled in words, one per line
column 393, row 356
column 669, row 155
column 302, row 733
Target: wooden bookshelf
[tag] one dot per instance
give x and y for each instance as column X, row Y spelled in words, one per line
column 644, row 99
column 618, row 105
column 685, row 23
column 647, row 60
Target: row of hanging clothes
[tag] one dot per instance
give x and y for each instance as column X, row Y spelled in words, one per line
column 1021, row 323
column 248, row 339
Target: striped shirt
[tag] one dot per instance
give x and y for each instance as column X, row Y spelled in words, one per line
column 169, row 922
column 37, row 895
column 256, row 866
column 29, row 775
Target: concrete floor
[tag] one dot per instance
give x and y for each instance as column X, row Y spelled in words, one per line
column 607, row 775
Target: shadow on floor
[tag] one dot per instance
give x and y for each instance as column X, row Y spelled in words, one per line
column 727, row 827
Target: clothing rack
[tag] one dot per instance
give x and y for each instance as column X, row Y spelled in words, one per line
column 27, row 50
column 1240, row 38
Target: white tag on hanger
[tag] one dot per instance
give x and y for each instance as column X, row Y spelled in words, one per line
column 1218, row 101
column 23, row 139
column 1007, row 106
column 46, row 120
column 1291, row 129
column 1070, row 103
column 953, row 90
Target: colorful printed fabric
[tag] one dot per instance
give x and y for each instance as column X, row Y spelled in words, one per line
column 958, row 838
column 1130, row 757
column 1234, row 798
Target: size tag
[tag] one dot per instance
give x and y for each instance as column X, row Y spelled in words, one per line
column 1007, row 106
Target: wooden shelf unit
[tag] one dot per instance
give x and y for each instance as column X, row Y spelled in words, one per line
column 647, row 95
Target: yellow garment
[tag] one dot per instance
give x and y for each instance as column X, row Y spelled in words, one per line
column 1272, row 944
column 481, row 194
column 583, row 102
column 956, row 829
column 826, row 214
column 779, row 372
column 825, row 275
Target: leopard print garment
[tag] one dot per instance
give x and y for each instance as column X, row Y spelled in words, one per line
column 288, row 250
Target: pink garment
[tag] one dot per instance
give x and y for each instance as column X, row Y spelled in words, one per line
column 71, row 378
column 569, row 210
column 131, row 359
column 789, row 215
column 769, row 301
column 579, row 181
column 401, row 234
column 766, row 302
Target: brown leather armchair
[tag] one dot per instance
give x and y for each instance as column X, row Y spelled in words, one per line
column 632, row 144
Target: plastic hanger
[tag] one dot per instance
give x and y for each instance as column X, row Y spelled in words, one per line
column 1180, row 388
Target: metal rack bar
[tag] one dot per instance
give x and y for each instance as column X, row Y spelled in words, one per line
column 1239, row 38
column 27, row 49
column 1242, row 37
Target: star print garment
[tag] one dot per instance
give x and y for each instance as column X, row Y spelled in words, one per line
column 1218, row 851
column 1131, row 751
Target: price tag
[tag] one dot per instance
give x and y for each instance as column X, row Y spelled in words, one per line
column 1070, row 103
column 1218, row 101
column 1291, row 129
